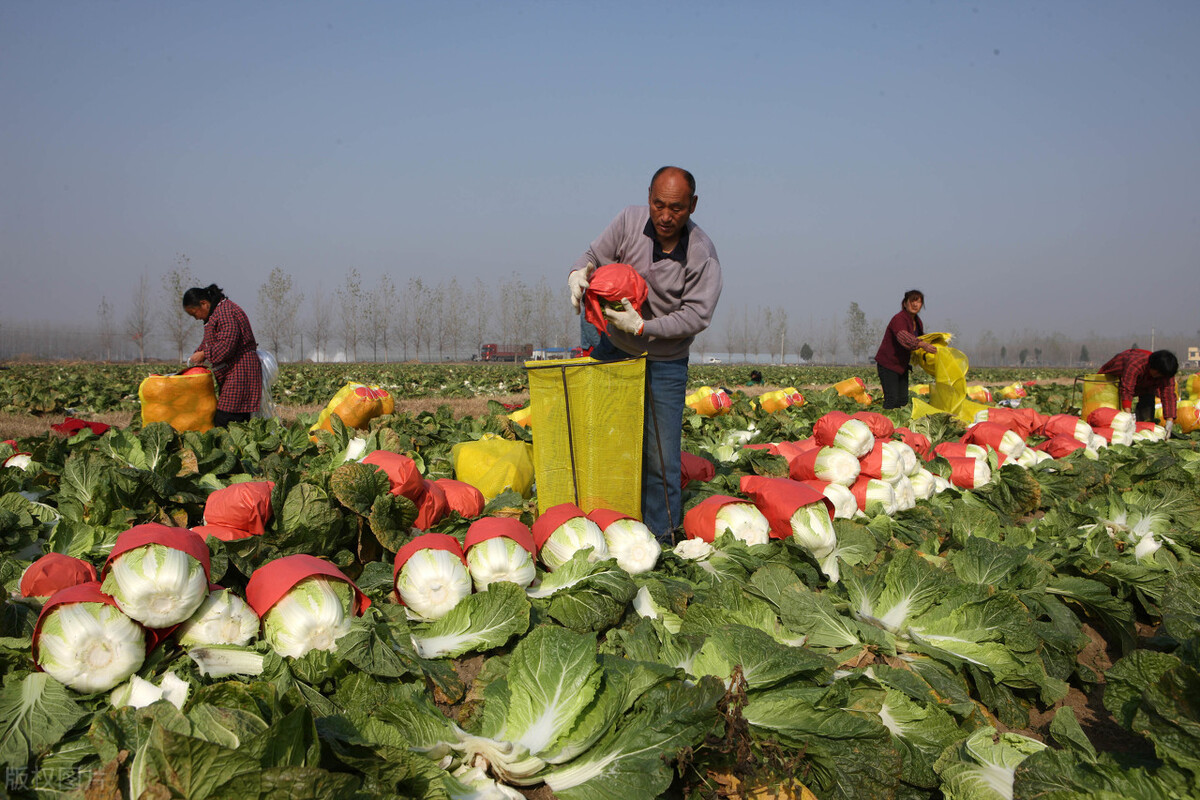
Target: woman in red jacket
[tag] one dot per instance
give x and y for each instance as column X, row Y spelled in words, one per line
column 230, row 347
column 899, row 340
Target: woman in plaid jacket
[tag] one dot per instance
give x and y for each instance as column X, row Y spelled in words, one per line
column 229, row 346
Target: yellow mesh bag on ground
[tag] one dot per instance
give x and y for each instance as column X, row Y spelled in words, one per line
column 587, row 423
column 357, row 404
column 1098, row 391
column 185, row 402
column 1187, row 416
column 1193, row 387
column 493, row 464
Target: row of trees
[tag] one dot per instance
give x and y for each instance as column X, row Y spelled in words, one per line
column 449, row 320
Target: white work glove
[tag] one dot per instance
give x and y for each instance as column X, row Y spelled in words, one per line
column 578, row 282
column 1170, row 424
column 628, row 320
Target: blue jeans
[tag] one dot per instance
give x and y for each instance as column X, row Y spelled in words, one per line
column 662, row 432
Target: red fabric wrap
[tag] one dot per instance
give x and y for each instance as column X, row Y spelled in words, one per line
column 919, row 442
column 606, row 516
column 548, row 523
column 695, row 468
column 1059, row 446
column 1102, row 417
column 243, row 507
column 79, row 593
column 71, row 426
column 401, row 472
column 1059, row 425
column 1145, row 426
column 952, row 450
column 827, row 427
column 276, row 578
column 871, row 464
column 701, row 521
column 432, row 506
column 859, row 490
column 792, row 450
column 183, row 539
column 962, row 471
column 221, row 532
column 803, row 467
column 54, row 572
column 779, row 498
column 1105, row 431
column 881, row 426
column 1022, row 421
column 462, row 497
column 609, row 284
column 500, row 527
column 986, row 434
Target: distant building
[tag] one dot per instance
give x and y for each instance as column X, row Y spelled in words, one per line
column 1194, row 356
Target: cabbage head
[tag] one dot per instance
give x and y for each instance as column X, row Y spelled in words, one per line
column 223, row 618
column 633, row 545
column 499, row 559
column 156, row 585
column 744, row 521
column 90, row 647
column 573, row 535
column 313, row 615
column 432, row 582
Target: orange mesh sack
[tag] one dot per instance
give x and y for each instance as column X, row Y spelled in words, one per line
column 356, row 404
column 1186, row 416
column 186, row 402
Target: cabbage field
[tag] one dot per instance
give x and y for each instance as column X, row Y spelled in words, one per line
column 854, row 612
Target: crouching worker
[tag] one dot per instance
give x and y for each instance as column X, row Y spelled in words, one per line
column 1147, row 375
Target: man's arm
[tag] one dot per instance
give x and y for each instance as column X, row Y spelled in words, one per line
column 700, row 295
column 1130, row 374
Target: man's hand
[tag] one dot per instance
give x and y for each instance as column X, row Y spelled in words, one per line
column 578, row 281
column 628, row 320
column 1169, row 426
column 196, row 359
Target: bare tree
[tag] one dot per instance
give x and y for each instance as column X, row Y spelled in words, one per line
column 180, row 327
column 278, row 305
column 830, row 341
column 858, row 331
column 139, row 322
column 104, row 312
column 384, row 302
column 735, row 333
column 350, row 307
column 544, row 322
column 321, row 323
column 454, row 328
column 774, row 328
column 483, row 312
column 436, row 322
column 415, row 313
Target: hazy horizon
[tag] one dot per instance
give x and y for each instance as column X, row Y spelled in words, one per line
column 1030, row 166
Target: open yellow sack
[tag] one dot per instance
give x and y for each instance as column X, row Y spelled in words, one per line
column 1099, row 391
column 357, row 404
column 493, row 464
column 185, row 402
column 948, row 394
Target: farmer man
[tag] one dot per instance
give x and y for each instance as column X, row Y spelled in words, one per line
column 1146, row 374
column 683, row 277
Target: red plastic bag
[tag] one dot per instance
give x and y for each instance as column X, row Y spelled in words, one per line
column 695, row 468
column 500, row 527
column 273, row 580
column 237, row 511
column 554, row 516
column 607, row 286
column 779, row 498
column 701, row 521
column 881, row 426
column 462, row 497
column 401, row 471
column 432, row 507
column 52, row 573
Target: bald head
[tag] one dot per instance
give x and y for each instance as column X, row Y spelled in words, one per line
column 672, row 201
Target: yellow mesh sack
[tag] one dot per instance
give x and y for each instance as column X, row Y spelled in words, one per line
column 493, row 464
column 709, row 402
column 185, row 402
column 1186, row 416
column 587, row 422
column 357, row 404
column 948, row 394
column 1193, row 387
column 1098, row 391
column 851, row 387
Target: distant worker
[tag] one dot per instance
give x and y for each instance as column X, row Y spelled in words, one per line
column 899, row 340
column 679, row 264
column 229, row 346
column 1147, row 375
column 756, row 378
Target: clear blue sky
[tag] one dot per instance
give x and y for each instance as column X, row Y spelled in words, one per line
column 1029, row 165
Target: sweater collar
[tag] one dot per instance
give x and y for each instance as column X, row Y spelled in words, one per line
column 681, row 247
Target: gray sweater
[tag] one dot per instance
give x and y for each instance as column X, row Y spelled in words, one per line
column 682, row 296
